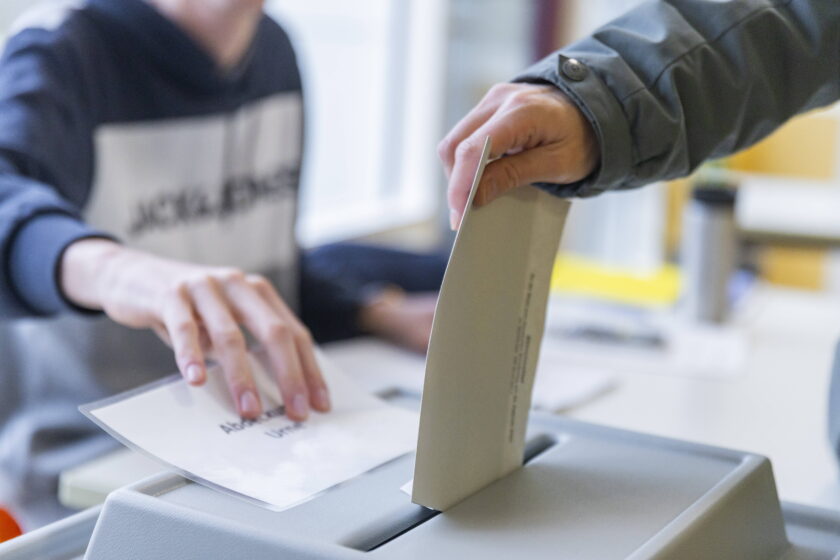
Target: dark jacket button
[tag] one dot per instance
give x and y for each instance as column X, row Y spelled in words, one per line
column 573, row 69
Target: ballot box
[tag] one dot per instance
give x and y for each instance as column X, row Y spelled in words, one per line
column 585, row 492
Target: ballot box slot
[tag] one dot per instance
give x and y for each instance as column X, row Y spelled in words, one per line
column 537, row 445
column 419, row 516
column 415, row 515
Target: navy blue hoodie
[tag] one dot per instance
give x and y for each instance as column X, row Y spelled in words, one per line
column 114, row 123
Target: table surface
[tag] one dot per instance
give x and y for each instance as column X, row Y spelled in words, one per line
column 775, row 406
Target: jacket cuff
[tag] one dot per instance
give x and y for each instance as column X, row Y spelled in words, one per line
column 592, row 96
column 35, row 260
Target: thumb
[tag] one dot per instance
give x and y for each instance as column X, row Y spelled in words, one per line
column 541, row 164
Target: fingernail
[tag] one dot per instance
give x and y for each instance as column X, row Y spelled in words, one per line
column 193, row 374
column 300, row 407
column 453, row 220
column 322, row 398
column 249, row 404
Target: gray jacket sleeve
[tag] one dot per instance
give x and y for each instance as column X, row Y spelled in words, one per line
column 674, row 82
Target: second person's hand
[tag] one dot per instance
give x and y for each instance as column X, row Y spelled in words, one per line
column 403, row 318
column 199, row 310
column 545, row 137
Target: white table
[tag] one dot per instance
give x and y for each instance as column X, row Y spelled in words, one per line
column 775, row 407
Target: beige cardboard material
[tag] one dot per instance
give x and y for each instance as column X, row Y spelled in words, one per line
column 485, row 342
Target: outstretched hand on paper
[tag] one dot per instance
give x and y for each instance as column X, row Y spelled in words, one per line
column 271, row 459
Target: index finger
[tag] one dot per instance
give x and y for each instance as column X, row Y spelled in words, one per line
column 275, row 334
column 181, row 329
column 465, row 127
column 229, row 345
column 477, row 116
column 468, row 157
column 318, row 389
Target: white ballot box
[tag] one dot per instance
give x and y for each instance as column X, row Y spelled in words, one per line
column 586, row 492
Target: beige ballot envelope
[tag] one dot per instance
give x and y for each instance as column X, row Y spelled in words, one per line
column 485, row 341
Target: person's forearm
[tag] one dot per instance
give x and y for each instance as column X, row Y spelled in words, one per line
column 673, row 83
column 82, row 267
column 376, row 314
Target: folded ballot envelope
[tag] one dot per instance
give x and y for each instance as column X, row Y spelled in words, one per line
column 485, row 342
column 271, row 460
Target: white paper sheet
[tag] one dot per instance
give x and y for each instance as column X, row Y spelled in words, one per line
column 273, row 460
column 378, row 365
column 485, row 343
column 684, row 348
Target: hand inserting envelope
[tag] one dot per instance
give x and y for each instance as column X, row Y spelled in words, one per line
column 485, row 343
column 477, row 392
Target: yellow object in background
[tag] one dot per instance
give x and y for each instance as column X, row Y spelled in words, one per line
column 579, row 276
column 677, row 194
column 794, row 267
column 804, row 147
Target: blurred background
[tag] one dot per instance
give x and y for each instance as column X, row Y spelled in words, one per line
column 386, row 79
column 746, row 249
